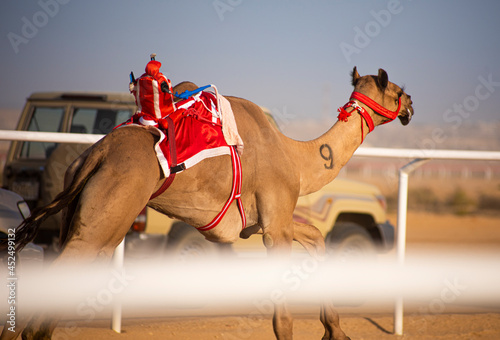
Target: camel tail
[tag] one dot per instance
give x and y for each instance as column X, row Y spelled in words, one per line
column 27, row 230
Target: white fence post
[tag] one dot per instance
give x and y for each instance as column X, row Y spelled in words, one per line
column 401, row 244
column 118, row 259
column 401, row 232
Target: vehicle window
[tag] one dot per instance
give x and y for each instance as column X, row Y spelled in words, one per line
column 47, row 119
column 97, row 121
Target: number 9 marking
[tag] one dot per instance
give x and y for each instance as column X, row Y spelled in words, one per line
column 326, row 153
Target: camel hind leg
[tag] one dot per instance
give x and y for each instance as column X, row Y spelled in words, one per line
column 113, row 197
column 103, row 216
column 99, row 225
column 106, row 208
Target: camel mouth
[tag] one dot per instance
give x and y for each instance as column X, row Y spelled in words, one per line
column 406, row 117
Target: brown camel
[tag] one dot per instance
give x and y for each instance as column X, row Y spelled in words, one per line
column 99, row 207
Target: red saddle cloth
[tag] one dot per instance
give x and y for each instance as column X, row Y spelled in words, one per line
column 197, row 132
column 188, row 135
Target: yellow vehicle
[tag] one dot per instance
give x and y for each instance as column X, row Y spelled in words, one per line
column 350, row 215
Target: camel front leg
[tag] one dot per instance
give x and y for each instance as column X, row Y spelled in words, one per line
column 331, row 321
column 279, row 246
column 311, row 239
column 282, row 322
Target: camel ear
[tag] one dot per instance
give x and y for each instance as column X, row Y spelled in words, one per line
column 355, row 76
column 383, row 79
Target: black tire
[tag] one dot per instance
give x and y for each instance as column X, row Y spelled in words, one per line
column 349, row 242
column 185, row 243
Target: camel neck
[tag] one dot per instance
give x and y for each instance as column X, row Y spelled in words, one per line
column 321, row 159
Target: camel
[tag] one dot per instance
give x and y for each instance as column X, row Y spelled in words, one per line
column 99, row 208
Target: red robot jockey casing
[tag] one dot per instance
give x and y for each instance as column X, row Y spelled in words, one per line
column 153, row 92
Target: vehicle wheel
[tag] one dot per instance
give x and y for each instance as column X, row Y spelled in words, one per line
column 185, row 243
column 349, row 242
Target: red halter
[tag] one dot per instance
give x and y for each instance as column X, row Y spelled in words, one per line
column 343, row 114
column 376, row 107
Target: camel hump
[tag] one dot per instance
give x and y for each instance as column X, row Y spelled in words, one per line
column 184, row 86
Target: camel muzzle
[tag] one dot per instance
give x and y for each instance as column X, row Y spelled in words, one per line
column 405, row 120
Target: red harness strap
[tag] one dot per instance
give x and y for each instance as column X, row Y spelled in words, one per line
column 235, row 194
column 344, row 115
column 376, row 106
column 164, row 186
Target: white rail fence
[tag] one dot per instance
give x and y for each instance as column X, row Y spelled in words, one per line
column 418, row 157
column 415, row 157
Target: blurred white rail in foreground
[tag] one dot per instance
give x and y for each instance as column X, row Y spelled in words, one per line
column 417, row 157
column 466, row 279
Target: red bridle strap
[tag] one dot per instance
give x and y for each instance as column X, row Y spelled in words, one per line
column 375, row 106
column 344, row 115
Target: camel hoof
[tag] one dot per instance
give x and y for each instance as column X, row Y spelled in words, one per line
column 330, row 338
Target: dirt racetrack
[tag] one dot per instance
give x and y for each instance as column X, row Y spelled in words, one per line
column 425, row 231
column 358, row 327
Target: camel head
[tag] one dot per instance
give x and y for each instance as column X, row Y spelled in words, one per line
column 390, row 100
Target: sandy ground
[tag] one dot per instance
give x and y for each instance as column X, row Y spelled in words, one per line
column 417, row 327
column 425, row 231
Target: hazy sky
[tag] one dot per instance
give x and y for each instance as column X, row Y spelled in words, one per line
column 293, row 57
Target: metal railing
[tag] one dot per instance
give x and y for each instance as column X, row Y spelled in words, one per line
column 418, row 158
